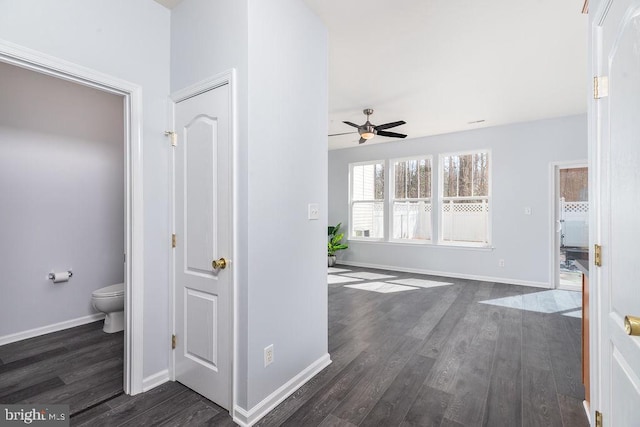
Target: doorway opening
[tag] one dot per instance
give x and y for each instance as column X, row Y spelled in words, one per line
column 131, row 96
column 571, row 220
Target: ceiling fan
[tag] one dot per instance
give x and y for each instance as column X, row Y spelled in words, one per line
column 368, row 130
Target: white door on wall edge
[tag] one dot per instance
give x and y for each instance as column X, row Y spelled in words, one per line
column 617, row 52
column 203, row 227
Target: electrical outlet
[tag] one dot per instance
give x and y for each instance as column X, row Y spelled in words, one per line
column 501, row 263
column 314, row 211
column 268, row 355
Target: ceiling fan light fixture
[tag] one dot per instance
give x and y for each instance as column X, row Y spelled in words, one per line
column 367, row 135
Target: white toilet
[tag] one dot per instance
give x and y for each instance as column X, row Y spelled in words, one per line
column 110, row 300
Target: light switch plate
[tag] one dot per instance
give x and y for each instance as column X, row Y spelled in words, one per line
column 314, row 211
column 527, row 210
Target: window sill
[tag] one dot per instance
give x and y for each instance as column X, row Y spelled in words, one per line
column 424, row 244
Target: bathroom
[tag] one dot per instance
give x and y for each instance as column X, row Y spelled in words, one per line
column 62, row 184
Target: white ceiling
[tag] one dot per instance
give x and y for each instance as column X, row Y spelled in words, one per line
column 440, row 64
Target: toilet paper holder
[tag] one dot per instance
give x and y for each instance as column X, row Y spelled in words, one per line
column 52, row 276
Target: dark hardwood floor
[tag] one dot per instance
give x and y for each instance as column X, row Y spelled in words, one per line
column 435, row 356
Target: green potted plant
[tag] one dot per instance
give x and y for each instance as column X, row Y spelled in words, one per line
column 335, row 243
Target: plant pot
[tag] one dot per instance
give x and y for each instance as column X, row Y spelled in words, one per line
column 332, row 260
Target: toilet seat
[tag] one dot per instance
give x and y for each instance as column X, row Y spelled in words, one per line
column 111, row 291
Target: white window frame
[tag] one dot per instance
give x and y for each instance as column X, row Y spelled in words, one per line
column 393, row 200
column 383, row 201
column 441, row 199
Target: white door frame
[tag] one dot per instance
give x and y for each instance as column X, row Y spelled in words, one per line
column 134, row 267
column 227, row 77
column 554, row 244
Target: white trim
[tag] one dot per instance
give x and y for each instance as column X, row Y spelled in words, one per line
column 585, row 405
column 202, row 86
column 153, row 381
column 229, row 78
column 252, row 416
column 427, row 244
column 134, row 218
column 508, row 281
column 567, row 287
column 42, row 330
column 554, row 243
column 385, row 231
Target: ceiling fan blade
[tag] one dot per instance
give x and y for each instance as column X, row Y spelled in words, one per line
column 362, row 141
column 352, row 124
column 390, row 125
column 343, row 133
column 391, row 134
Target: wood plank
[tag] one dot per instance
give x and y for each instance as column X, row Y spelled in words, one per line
column 162, row 413
column 35, row 389
column 328, row 397
column 396, row 401
column 428, row 408
column 124, row 408
column 567, row 373
column 572, row 412
column 37, row 345
column 195, row 415
column 366, row 393
column 504, row 399
column 472, row 381
column 434, row 312
column 539, row 399
column 333, row 421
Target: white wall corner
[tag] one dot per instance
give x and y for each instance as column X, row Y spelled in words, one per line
column 153, row 381
column 36, row 332
column 248, row 418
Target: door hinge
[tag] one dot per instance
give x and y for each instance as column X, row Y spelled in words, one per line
column 597, row 254
column 173, row 240
column 172, row 136
column 173, row 342
column 600, row 87
column 598, row 419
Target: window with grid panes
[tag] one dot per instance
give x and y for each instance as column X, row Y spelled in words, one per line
column 411, row 199
column 367, row 200
column 465, row 198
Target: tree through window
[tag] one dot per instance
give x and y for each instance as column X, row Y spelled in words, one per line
column 465, row 198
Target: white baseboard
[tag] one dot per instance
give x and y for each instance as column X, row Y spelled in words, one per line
column 153, row 381
column 248, row 418
column 585, row 404
column 576, row 288
column 544, row 285
column 36, row 332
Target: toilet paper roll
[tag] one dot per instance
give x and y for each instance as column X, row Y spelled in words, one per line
column 62, row 276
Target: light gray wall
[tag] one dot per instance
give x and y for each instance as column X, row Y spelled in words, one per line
column 129, row 40
column 62, row 180
column 279, row 50
column 288, row 116
column 520, row 158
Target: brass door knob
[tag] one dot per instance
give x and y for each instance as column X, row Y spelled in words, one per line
column 219, row 264
column 632, row 325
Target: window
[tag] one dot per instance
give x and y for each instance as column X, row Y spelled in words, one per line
column 465, row 193
column 367, row 200
column 411, row 201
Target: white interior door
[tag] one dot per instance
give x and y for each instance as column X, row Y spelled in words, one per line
column 617, row 53
column 204, row 234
